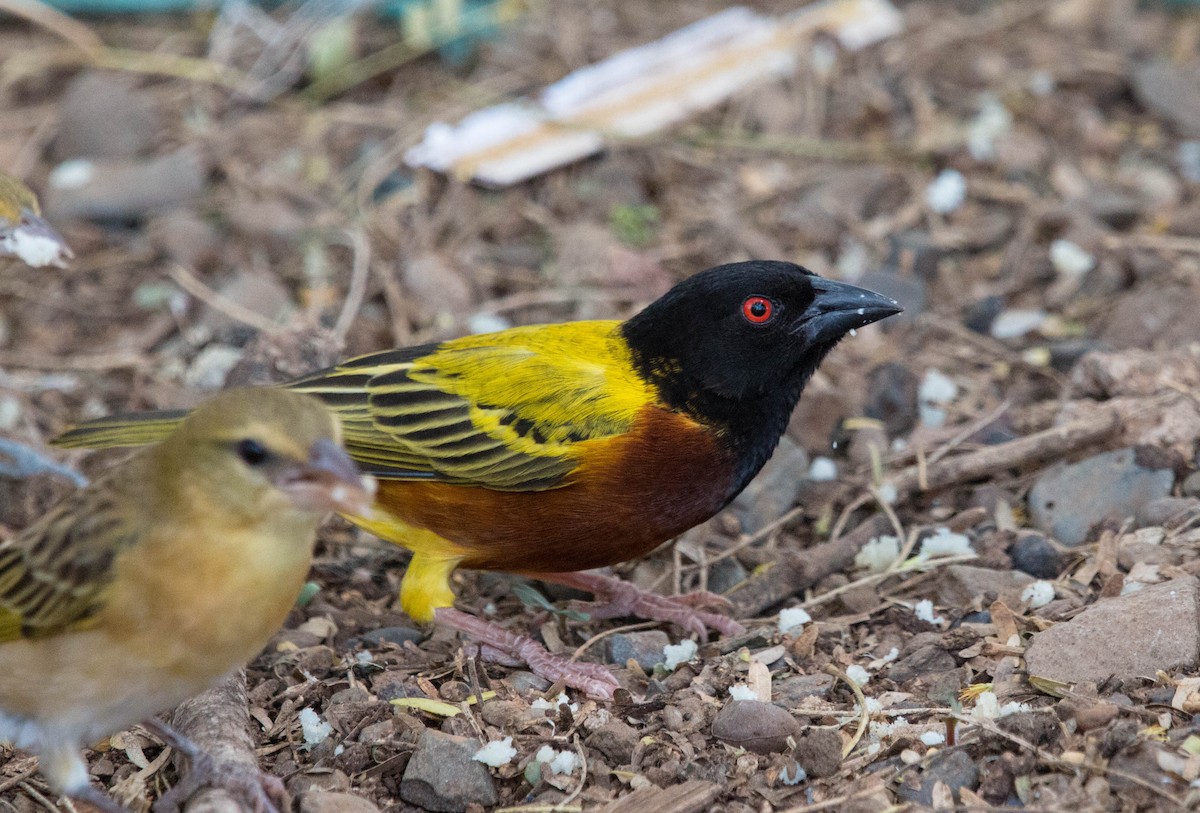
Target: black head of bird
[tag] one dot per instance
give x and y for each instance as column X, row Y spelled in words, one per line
column 734, row 345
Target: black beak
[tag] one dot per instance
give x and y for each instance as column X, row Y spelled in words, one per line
column 329, row 481
column 838, row 308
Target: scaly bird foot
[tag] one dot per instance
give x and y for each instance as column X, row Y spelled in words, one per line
column 591, row 678
column 619, row 598
column 99, row 800
column 263, row 793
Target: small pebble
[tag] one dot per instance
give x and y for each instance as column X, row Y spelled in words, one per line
column 1188, row 156
column 947, row 191
column 1016, row 322
column 644, row 647
column 991, row 123
column 443, row 776
column 822, row 470
column 1069, row 259
column 1034, row 554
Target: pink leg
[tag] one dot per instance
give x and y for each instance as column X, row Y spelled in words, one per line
column 620, row 598
column 591, row 678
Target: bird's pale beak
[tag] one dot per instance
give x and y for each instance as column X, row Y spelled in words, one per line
column 35, row 242
column 329, row 481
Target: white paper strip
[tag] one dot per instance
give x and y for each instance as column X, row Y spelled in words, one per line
column 642, row 90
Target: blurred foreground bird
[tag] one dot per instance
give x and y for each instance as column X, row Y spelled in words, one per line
column 163, row 576
column 553, row 449
column 24, row 234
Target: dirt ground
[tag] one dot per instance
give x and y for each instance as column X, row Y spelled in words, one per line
column 1050, row 317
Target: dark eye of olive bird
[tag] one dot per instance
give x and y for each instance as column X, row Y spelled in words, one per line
column 252, row 452
column 757, row 309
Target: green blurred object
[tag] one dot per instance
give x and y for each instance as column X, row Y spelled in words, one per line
column 635, row 225
column 452, row 27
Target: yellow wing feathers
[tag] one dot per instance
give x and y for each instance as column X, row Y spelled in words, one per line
column 501, row 410
column 15, row 196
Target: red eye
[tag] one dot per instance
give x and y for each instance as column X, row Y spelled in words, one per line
column 757, row 309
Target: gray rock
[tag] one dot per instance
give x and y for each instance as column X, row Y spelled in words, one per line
column 1036, row 555
column 961, row 585
column 615, row 739
column 792, row 691
column 892, row 398
column 390, row 635
column 1127, row 636
column 1171, row 91
column 1065, row 352
column 260, row 292
column 523, row 681
column 394, row 684
column 981, row 314
column 124, row 188
column 819, row 751
column 322, row 801
column 1115, row 207
column 930, row 659
column 772, row 493
column 103, row 115
column 1166, row 510
column 1068, row 500
column 726, row 574
column 955, row 769
column 644, row 647
column 442, row 777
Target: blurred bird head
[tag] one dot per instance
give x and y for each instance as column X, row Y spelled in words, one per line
column 24, row 233
column 261, row 450
column 743, row 331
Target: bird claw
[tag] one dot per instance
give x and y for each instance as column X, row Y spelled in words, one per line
column 591, row 678
column 263, row 793
column 99, row 800
column 620, row 598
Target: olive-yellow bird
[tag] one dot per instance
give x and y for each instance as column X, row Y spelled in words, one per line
column 24, row 233
column 553, row 449
column 152, row 583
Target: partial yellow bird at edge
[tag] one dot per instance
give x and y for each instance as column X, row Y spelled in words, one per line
column 152, row 583
column 24, row 233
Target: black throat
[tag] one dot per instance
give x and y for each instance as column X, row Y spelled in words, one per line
column 750, row 427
